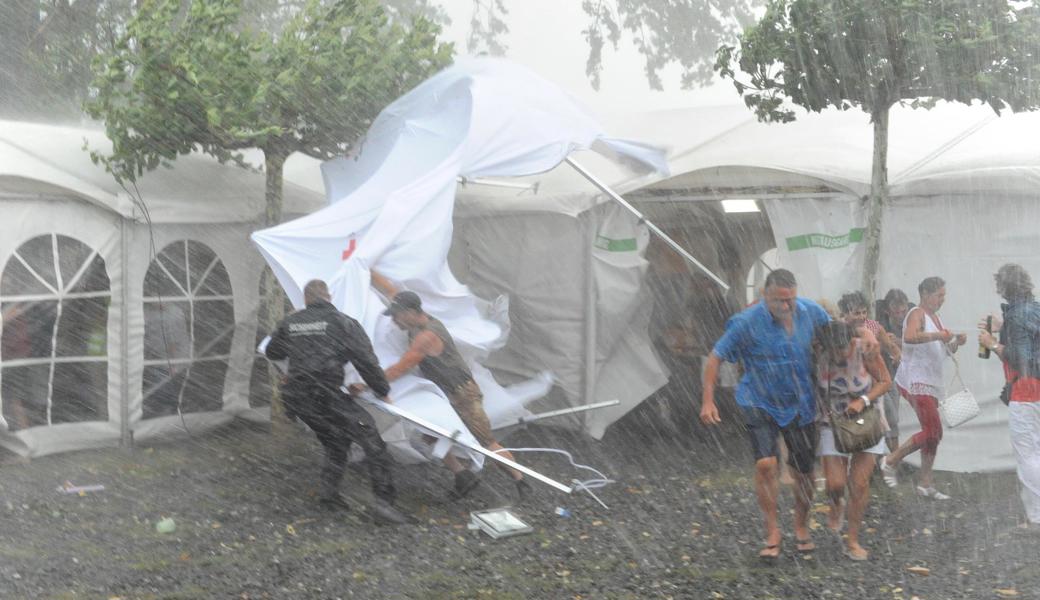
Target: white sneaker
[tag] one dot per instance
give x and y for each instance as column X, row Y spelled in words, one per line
column 931, row 492
column 888, row 473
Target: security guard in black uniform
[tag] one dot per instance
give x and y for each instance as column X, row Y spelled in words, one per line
column 318, row 341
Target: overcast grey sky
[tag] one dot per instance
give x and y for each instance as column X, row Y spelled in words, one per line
column 545, row 35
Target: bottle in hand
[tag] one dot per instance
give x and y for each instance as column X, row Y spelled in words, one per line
column 983, row 350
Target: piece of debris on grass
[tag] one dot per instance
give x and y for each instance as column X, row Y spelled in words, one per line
column 922, row 571
column 1007, row 592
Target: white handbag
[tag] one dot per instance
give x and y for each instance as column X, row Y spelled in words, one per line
column 962, row 406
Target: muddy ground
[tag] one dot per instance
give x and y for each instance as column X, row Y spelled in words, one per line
column 682, row 523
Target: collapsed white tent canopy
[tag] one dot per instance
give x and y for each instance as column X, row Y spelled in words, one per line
column 391, row 205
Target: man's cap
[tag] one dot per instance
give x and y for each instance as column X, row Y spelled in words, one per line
column 404, row 301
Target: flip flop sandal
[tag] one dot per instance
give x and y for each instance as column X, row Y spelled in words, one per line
column 856, row 557
column 805, row 545
column 770, row 548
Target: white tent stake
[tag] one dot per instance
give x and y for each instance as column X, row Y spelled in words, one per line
column 454, row 436
column 642, row 219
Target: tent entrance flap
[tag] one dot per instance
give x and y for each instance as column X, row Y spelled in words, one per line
column 642, row 218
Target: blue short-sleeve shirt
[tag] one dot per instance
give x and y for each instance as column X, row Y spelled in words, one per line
column 777, row 366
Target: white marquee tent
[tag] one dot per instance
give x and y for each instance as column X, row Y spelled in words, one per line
column 87, row 355
column 964, row 201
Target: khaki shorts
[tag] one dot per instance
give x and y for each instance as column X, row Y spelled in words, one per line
column 468, row 403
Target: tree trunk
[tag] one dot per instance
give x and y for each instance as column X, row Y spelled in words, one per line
column 876, row 203
column 274, row 307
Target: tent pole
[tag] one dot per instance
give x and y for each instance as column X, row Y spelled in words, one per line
column 124, row 337
column 590, row 307
column 642, row 219
column 558, row 413
column 454, row 437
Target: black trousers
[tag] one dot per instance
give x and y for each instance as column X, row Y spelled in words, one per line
column 337, row 420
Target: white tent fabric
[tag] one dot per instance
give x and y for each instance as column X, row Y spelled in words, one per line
column 391, row 207
column 971, row 174
column 50, row 189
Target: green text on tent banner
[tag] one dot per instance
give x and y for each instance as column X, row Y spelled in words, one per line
column 625, row 245
column 822, row 240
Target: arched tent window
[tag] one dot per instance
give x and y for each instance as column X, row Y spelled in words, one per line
column 189, row 319
column 54, row 295
column 756, row 277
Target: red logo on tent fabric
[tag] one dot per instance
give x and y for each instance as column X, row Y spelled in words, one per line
column 351, row 246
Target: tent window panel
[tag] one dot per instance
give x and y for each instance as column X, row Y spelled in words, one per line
column 167, row 333
column 38, row 253
column 214, row 326
column 80, row 392
column 173, row 259
column 162, row 386
column 216, row 283
column 204, row 391
column 94, row 278
column 24, row 395
column 207, row 274
column 28, row 329
column 159, row 285
column 193, row 329
column 17, row 280
column 83, row 329
column 53, row 331
column 72, row 254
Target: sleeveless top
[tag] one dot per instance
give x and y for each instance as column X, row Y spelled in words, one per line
column 838, row 384
column 448, row 369
column 921, row 368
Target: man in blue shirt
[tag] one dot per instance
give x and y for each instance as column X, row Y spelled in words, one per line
column 773, row 341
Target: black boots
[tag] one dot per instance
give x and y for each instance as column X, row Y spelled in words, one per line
column 385, row 513
column 334, row 502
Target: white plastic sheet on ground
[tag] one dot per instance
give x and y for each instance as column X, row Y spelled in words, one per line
column 390, row 209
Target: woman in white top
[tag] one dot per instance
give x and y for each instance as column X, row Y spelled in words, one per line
column 920, row 380
column 850, row 376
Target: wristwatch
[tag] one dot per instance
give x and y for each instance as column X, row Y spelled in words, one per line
column 866, row 400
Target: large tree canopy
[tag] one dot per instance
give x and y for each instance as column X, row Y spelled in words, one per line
column 872, row 54
column 47, row 46
column 682, row 32
column 181, row 79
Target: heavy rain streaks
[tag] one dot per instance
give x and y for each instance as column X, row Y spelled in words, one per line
column 663, row 249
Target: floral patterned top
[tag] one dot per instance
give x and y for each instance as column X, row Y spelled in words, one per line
column 837, row 384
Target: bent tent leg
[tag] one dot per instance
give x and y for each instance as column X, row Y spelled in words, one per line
column 650, row 225
column 397, row 412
